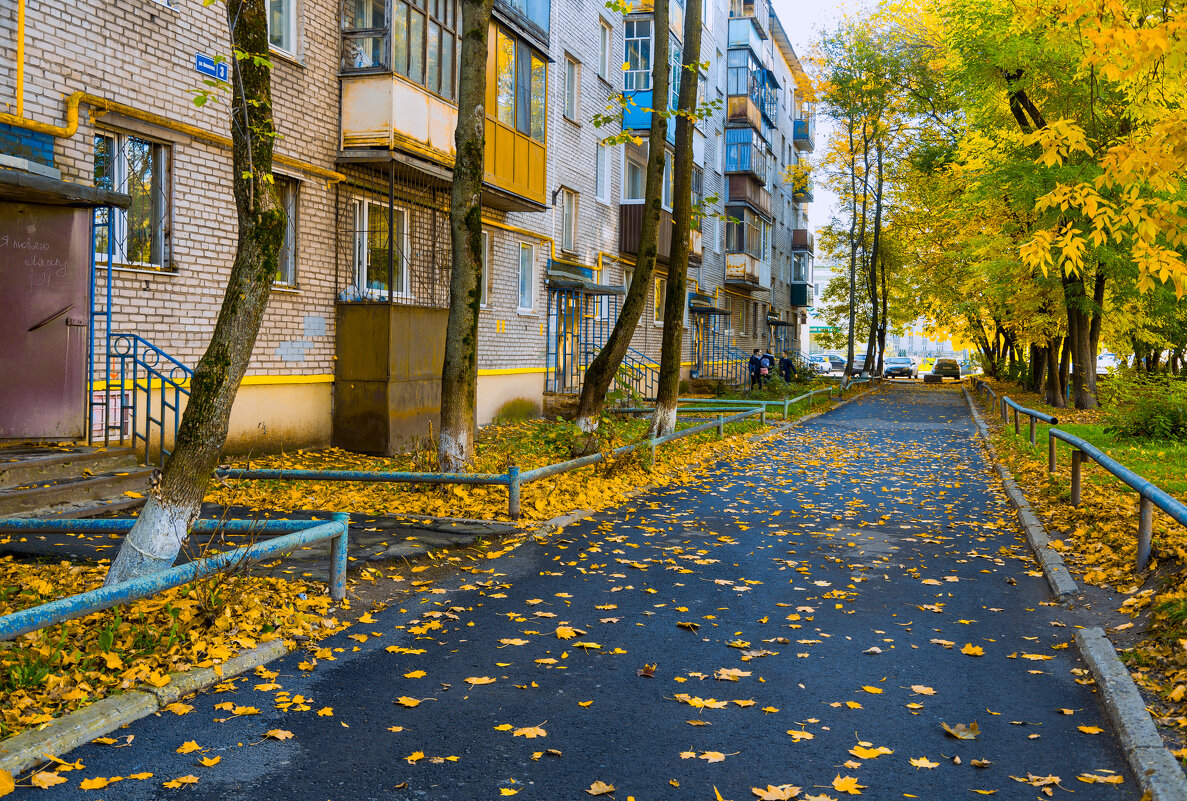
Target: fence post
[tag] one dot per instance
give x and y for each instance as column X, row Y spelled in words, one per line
column 1005, row 411
column 786, row 406
column 513, row 492
column 1050, row 453
column 1145, row 531
column 653, row 443
column 721, row 426
column 1016, row 429
column 1077, row 458
column 338, row 547
column 1032, row 431
column 762, row 417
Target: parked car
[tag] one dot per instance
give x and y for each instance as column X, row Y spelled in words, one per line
column 836, row 363
column 819, row 363
column 1106, row 363
column 946, row 368
column 899, row 367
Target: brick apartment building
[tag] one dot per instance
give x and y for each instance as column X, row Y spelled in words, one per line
column 117, row 227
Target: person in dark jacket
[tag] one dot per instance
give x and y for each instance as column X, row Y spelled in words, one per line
column 766, row 367
column 786, row 368
column 754, row 364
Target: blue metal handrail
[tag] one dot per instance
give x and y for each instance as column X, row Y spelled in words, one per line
column 147, row 371
column 513, row 479
column 300, row 533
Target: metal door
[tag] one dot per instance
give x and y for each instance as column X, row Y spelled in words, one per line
column 44, row 261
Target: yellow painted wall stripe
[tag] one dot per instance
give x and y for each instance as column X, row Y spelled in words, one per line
column 512, row 371
column 251, row 380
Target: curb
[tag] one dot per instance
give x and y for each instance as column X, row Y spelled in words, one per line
column 1156, row 770
column 29, row 748
column 1063, row 586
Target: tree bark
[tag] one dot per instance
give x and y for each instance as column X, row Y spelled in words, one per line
column 604, row 367
column 1065, row 354
column 162, row 527
column 459, row 372
column 664, row 420
column 1055, row 394
column 1079, row 317
column 875, row 259
column 883, row 326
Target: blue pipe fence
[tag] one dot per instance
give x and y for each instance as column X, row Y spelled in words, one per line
column 293, row 534
column 513, row 479
column 1150, row 495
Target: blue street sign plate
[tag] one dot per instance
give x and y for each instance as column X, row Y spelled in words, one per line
column 208, row 66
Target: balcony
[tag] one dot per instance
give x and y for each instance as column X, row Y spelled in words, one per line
column 637, row 114
column 743, row 110
column 803, row 191
column 803, row 134
column 801, row 295
column 748, row 190
column 802, row 239
column 745, row 271
column 755, row 10
column 745, row 154
column 630, row 227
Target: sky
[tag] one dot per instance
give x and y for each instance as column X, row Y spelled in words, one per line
column 804, row 21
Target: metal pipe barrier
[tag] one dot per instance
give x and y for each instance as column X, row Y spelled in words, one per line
column 1030, row 413
column 513, row 479
column 302, row 532
column 1149, row 494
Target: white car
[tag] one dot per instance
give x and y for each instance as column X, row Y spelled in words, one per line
column 820, row 363
column 1106, row 363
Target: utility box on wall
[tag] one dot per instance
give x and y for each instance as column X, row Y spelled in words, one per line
column 387, row 377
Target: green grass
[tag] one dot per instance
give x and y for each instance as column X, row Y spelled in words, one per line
column 1164, row 463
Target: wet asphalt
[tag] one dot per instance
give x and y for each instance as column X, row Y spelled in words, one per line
column 840, row 566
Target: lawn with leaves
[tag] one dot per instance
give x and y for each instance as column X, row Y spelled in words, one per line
column 1098, row 539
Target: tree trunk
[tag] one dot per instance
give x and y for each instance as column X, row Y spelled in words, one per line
column 1079, row 317
column 857, row 241
column 604, row 367
column 161, row 529
column 1054, row 390
column 875, row 259
column 675, row 301
column 882, row 327
column 459, row 372
column 1065, row 355
column 1038, row 367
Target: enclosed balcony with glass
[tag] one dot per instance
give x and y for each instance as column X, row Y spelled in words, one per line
column 638, row 50
column 748, row 248
column 746, row 153
column 804, row 128
column 399, row 68
column 745, row 88
column 756, row 11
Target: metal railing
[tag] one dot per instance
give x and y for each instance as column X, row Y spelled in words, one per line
column 300, row 533
column 702, row 405
column 513, row 479
column 157, row 383
column 1150, row 495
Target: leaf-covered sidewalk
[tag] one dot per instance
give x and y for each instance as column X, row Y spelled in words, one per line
column 846, row 610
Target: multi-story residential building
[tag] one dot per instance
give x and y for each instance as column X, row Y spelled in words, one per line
column 112, row 173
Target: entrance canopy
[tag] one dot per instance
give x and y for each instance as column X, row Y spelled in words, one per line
column 18, row 186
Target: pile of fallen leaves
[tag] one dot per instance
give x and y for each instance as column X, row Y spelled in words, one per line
column 528, row 444
column 47, row 673
column 1098, row 542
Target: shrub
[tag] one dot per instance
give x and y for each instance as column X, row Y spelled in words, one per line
column 1147, row 408
column 517, row 409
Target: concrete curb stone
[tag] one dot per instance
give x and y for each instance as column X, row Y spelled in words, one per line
column 1063, row 586
column 29, row 748
column 1156, row 769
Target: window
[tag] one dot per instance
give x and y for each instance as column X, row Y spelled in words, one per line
column 638, row 55
column 661, row 291
column 139, row 235
column 372, row 245
column 568, row 220
column 635, row 183
column 667, row 198
column 602, row 174
column 521, row 86
column 527, row 288
column 423, row 34
column 572, row 76
column 484, row 277
column 282, row 25
column 534, row 12
column 605, row 42
column 674, row 72
column 698, row 195
column 286, row 265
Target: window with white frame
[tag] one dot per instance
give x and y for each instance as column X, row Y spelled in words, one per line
column 282, row 25
column 634, row 183
column 667, row 195
column 638, row 55
column 605, row 44
column 527, row 277
column 572, row 77
column 602, row 174
column 484, row 279
column 287, row 190
column 137, row 236
column 376, row 274
column 568, row 220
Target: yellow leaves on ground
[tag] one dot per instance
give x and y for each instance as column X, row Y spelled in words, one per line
column 507, row 791
column 972, row 650
column 600, row 788
column 278, row 734
column 784, row 792
column 530, row 732
column 324, row 712
column 515, row 641
column 730, row 674
column 923, row 762
column 921, row 689
column 98, row 783
column 7, row 785
column 477, row 680
column 404, row 700
column 847, row 784
column 188, row 747
column 701, row 703
column 180, row 781
column 415, row 674
column 414, row 757
column 42, row 778
column 210, row 762
column 1112, row 778
column 865, row 750
column 567, row 632
column 962, row 732
column 873, row 690
column 798, row 735
column 1090, row 729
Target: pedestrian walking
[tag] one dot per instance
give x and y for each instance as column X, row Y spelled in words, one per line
column 755, row 364
column 786, row 367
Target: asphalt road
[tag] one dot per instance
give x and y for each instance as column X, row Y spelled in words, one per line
column 875, row 526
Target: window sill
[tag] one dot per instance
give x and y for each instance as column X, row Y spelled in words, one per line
column 606, row 81
column 285, row 55
column 570, row 120
column 127, row 268
column 287, row 289
column 526, row 313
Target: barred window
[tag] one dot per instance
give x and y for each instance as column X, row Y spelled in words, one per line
column 139, row 235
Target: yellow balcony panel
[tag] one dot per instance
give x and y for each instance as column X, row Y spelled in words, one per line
column 387, row 111
column 514, row 162
column 744, row 271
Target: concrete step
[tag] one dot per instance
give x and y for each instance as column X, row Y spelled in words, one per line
column 74, row 493
column 31, row 465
